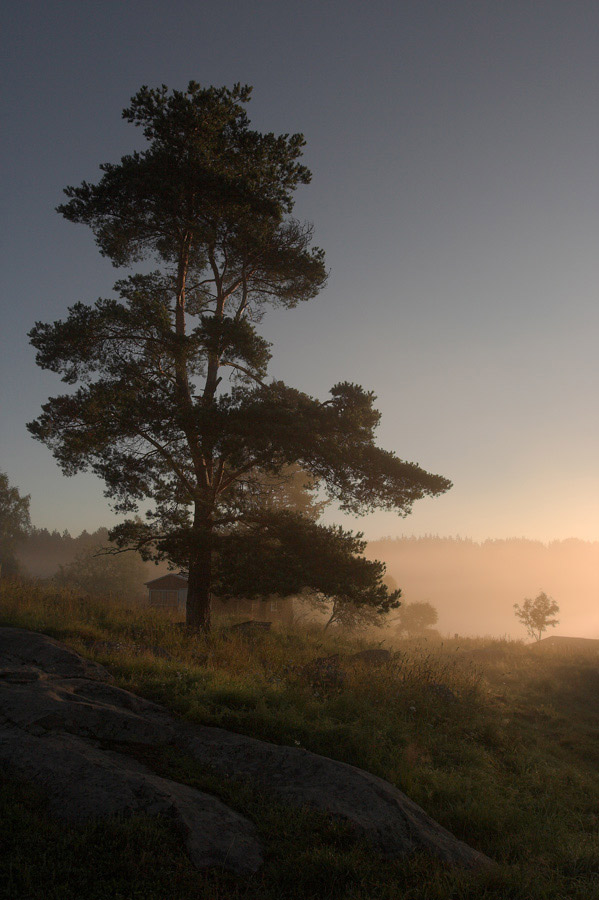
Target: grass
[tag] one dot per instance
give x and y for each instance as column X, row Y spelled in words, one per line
column 497, row 741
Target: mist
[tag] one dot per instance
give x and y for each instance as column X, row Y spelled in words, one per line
column 474, row 585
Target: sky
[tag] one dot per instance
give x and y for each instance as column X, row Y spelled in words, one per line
column 454, row 151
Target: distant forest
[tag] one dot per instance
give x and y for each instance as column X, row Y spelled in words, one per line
column 43, row 554
column 474, row 585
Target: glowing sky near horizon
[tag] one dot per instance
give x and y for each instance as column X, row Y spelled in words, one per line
column 454, row 151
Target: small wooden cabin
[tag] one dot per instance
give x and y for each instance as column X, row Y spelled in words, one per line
column 170, row 592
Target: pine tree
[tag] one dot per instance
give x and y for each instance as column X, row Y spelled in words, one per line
column 173, row 404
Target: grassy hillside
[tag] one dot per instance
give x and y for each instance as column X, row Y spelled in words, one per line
column 496, row 741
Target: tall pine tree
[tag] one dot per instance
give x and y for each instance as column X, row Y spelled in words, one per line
column 173, row 404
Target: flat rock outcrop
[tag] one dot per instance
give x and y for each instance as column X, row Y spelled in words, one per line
column 55, row 712
column 58, row 711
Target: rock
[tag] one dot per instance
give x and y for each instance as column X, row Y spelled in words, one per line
column 85, row 708
column 251, row 626
column 51, row 724
column 376, row 656
column 20, row 647
column 55, row 710
column 379, row 812
column 82, row 782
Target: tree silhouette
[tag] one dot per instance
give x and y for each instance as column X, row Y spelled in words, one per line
column 173, row 405
column 14, row 524
column 536, row 615
column 415, row 618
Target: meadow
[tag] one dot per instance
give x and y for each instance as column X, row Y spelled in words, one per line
column 497, row 741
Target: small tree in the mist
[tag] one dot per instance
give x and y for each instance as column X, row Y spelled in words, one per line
column 14, row 524
column 343, row 612
column 99, row 573
column 537, row 615
column 173, row 405
column 416, row 618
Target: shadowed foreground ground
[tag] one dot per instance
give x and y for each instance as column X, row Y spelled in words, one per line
column 497, row 741
column 62, row 723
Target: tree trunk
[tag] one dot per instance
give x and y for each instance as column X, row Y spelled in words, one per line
column 197, row 617
column 198, row 591
column 332, row 618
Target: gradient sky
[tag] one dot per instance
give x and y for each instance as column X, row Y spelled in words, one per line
column 454, row 150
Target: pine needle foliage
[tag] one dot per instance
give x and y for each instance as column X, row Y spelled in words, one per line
column 172, row 403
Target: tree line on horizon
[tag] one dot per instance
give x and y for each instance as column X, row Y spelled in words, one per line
column 466, row 541
column 467, row 586
column 474, row 585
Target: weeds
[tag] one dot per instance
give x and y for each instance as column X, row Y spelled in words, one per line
column 497, row 741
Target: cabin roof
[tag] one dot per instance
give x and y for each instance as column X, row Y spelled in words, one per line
column 170, row 582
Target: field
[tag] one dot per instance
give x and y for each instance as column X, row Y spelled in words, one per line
column 497, row 741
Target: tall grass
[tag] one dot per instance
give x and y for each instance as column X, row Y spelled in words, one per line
column 495, row 740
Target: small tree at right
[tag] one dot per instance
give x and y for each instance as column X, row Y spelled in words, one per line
column 416, row 618
column 537, row 615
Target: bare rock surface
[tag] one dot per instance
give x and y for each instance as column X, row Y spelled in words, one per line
column 377, row 810
column 83, row 782
column 19, row 647
column 53, row 714
column 56, row 708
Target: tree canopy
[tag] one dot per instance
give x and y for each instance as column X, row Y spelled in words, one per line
column 416, row 618
column 173, row 405
column 537, row 615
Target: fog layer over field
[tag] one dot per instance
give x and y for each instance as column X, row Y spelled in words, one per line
column 474, row 585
